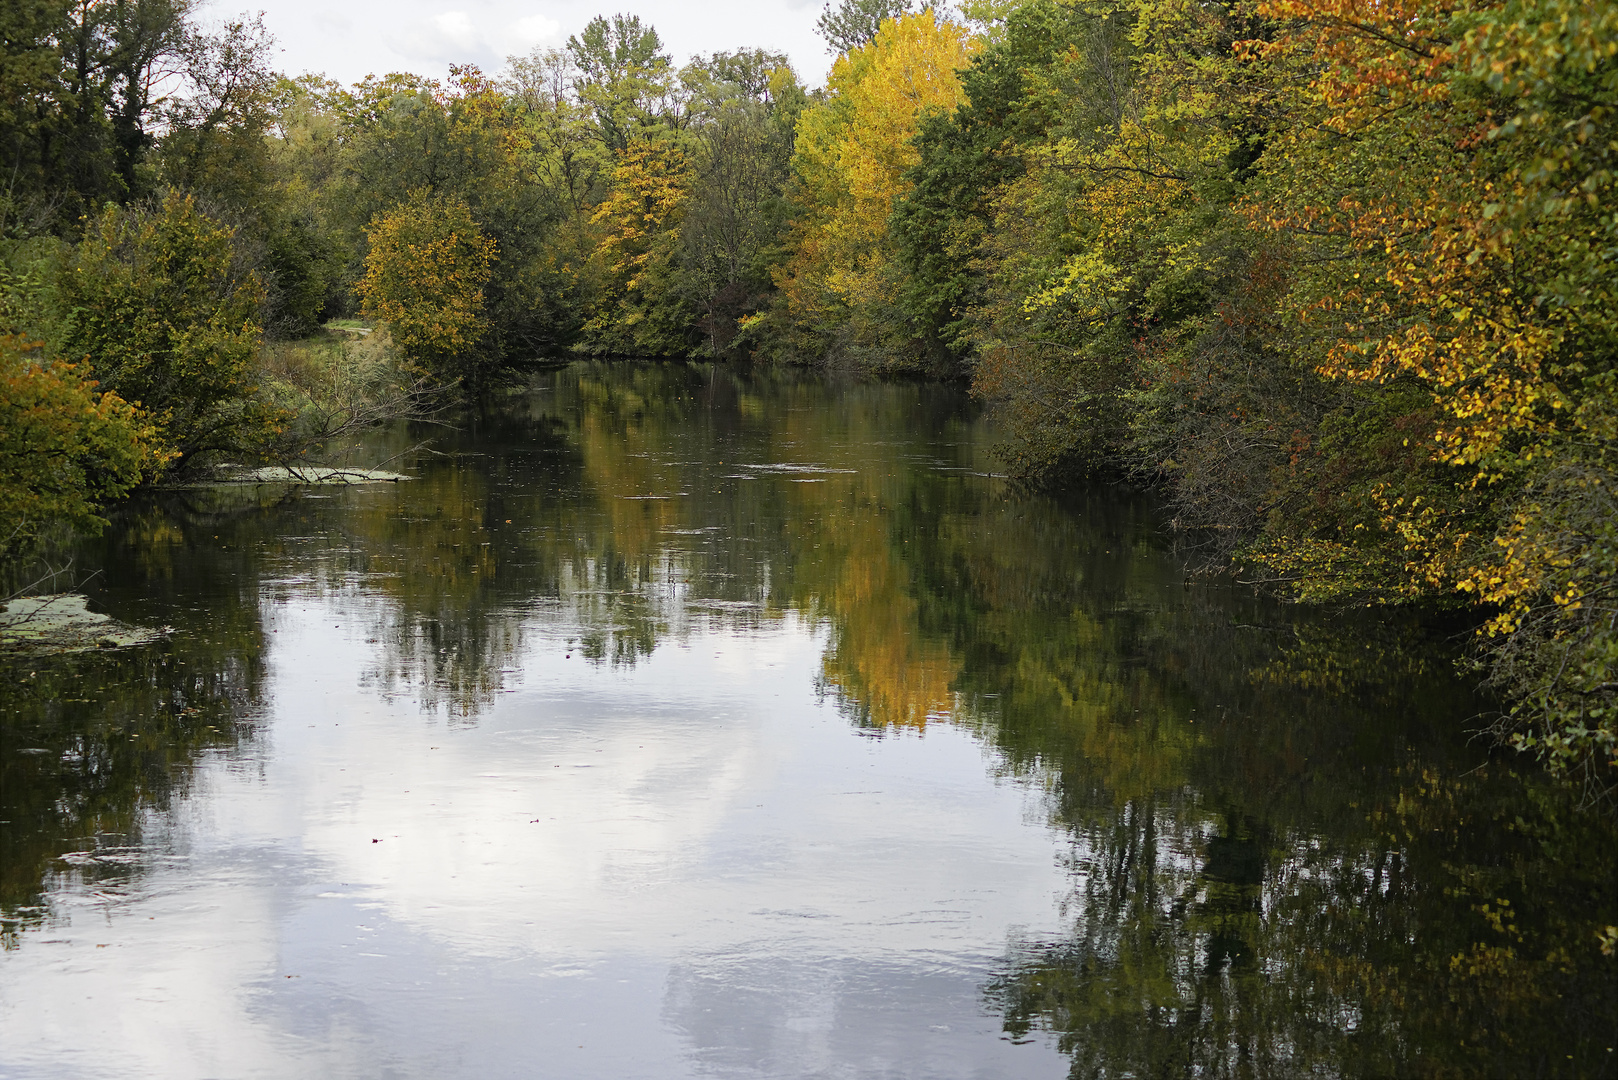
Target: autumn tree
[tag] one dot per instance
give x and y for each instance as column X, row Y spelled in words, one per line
column 1331, row 278
column 66, row 446
column 851, row 156
column 425, row 275
column 639, row 308
column 566, row 159
column 1454, row 182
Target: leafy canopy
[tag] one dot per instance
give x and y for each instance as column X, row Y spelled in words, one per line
column 65, row 446
column 158, row 299
column 425, row 274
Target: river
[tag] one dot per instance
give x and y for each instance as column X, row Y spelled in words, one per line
column 680, row 721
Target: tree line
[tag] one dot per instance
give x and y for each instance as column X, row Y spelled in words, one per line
column 1337, row 278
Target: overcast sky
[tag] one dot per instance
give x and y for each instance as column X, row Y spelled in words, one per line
column 350, row 39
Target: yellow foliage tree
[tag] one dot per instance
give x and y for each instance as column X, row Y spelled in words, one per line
column 65, row 446
column 636, row 311
column 852, row 153
column 424, row 278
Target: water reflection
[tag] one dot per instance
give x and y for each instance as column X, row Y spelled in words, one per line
column 599, row 631
column 95, row 745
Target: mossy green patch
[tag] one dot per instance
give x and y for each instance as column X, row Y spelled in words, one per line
column 64, row 623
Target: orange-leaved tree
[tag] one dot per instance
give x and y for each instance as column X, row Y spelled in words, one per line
column 1451, row 180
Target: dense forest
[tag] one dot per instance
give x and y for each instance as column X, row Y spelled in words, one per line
column 1335, row 277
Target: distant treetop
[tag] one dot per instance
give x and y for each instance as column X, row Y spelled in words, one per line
column 855, row 22
column 610, row 48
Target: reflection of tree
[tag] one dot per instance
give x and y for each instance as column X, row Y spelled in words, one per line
column 1285, row 858
column 586, row 506
column 882, row 669
column 89, row 743
column 1158, row 978
column 1227, row 767
column 1290, row 955
column 810, row 513
column 422, row 567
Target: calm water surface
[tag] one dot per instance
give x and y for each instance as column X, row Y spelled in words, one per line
column 676, row 722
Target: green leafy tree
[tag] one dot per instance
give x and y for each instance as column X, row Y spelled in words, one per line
column 745, row 74
column 735, row 218
column 83, row 84
column 855, row 22
column 158, row 300
column 565, row 159
column 215, row 144
column 967, row 156
column 625, row 76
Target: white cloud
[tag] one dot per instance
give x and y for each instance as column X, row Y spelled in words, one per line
column 423, row 36
column 529, row 33
column 448, row 37
column 456, row 28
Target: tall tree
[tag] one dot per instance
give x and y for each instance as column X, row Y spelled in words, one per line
column 638, row 307
column 624, row 75
column 851, row 155
column 735, row 217
column 215, row 142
